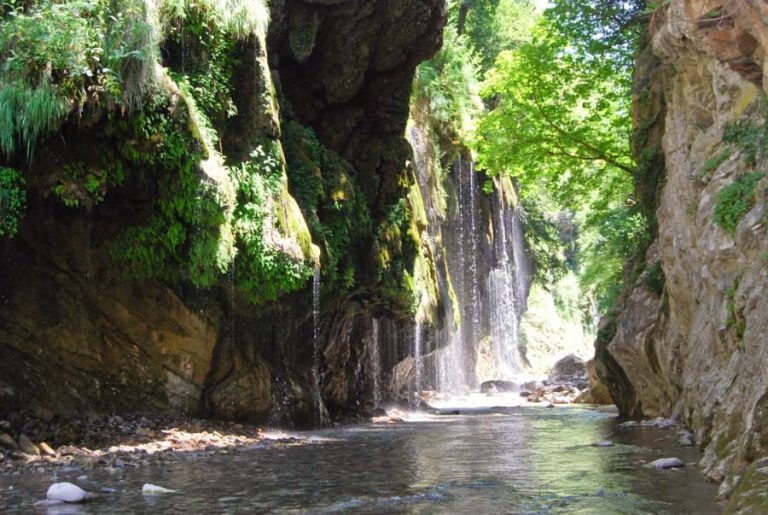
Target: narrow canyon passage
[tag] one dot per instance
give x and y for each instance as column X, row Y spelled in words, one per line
column 486, row 256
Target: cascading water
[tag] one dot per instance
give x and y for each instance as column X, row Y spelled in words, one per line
column 506, row 291
column 417, row 355
column 375, row 361
column 478, row 240
column 316, row 324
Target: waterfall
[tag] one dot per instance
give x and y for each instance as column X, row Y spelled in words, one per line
column 375, row 362
column 505, row 293
column 316, row 324
column 478, row 238
column 417, row 356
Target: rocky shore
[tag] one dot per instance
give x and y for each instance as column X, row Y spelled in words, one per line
column 29, row 444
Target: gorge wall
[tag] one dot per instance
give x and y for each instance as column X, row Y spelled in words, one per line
column 694, row 346
column 179, row 279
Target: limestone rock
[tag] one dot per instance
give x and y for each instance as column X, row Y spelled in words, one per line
column 67, row 492
column 696, row 349
column 667, row 463
column 569, row 369
column 150, row 489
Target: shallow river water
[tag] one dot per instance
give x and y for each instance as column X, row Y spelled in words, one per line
column 510, row 460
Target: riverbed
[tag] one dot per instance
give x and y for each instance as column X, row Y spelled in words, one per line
column 520, row 459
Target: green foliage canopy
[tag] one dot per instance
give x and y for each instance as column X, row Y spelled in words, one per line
column 559, row 120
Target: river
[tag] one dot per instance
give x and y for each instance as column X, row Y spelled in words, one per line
column 523, row 459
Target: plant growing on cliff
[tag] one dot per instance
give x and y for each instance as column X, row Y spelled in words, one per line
column 735, row 200
column 449, row 83
column 59, row 57
column 332, row 203
column 13, row 201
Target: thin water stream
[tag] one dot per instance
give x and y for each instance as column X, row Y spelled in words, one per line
column 500, row 460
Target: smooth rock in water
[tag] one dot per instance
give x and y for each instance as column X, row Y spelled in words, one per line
column 8, row 442
column 569, row 369
column 46, row 449
column 67, row 492
column 149, row 489
column 685, row 441
column 27, row 446
column 667, row 463
column 604, row 443
column 497, row 386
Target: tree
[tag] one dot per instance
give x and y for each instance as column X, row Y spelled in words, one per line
column 559, row 120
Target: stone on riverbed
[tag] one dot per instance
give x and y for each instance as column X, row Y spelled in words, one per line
column 8, row 442
column 667, row 463
column 497, row 386
column 27, row 446
column 67, row 492
column 604, row 443
column 149, row 489
column 46, row 449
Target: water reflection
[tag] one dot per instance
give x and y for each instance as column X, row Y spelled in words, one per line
column 515, row 460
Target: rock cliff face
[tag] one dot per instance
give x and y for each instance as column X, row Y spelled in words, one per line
column 78, row 334
column 696, row 348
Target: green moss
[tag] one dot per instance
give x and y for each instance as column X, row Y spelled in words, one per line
column 714, row 162
column 333, row 206
column 735, row 200
column 78, row 184
column 182, row 238
column 749, row 138
column 13, row 201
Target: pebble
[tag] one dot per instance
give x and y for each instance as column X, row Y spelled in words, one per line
column 667, row 463
column 46, row 449
column 149, row 489
column 67, row 492
column 604, row 443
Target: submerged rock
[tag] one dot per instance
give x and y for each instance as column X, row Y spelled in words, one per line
column 67, row 492
column 604, row 443
column 667, row 463
column 149, row 489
